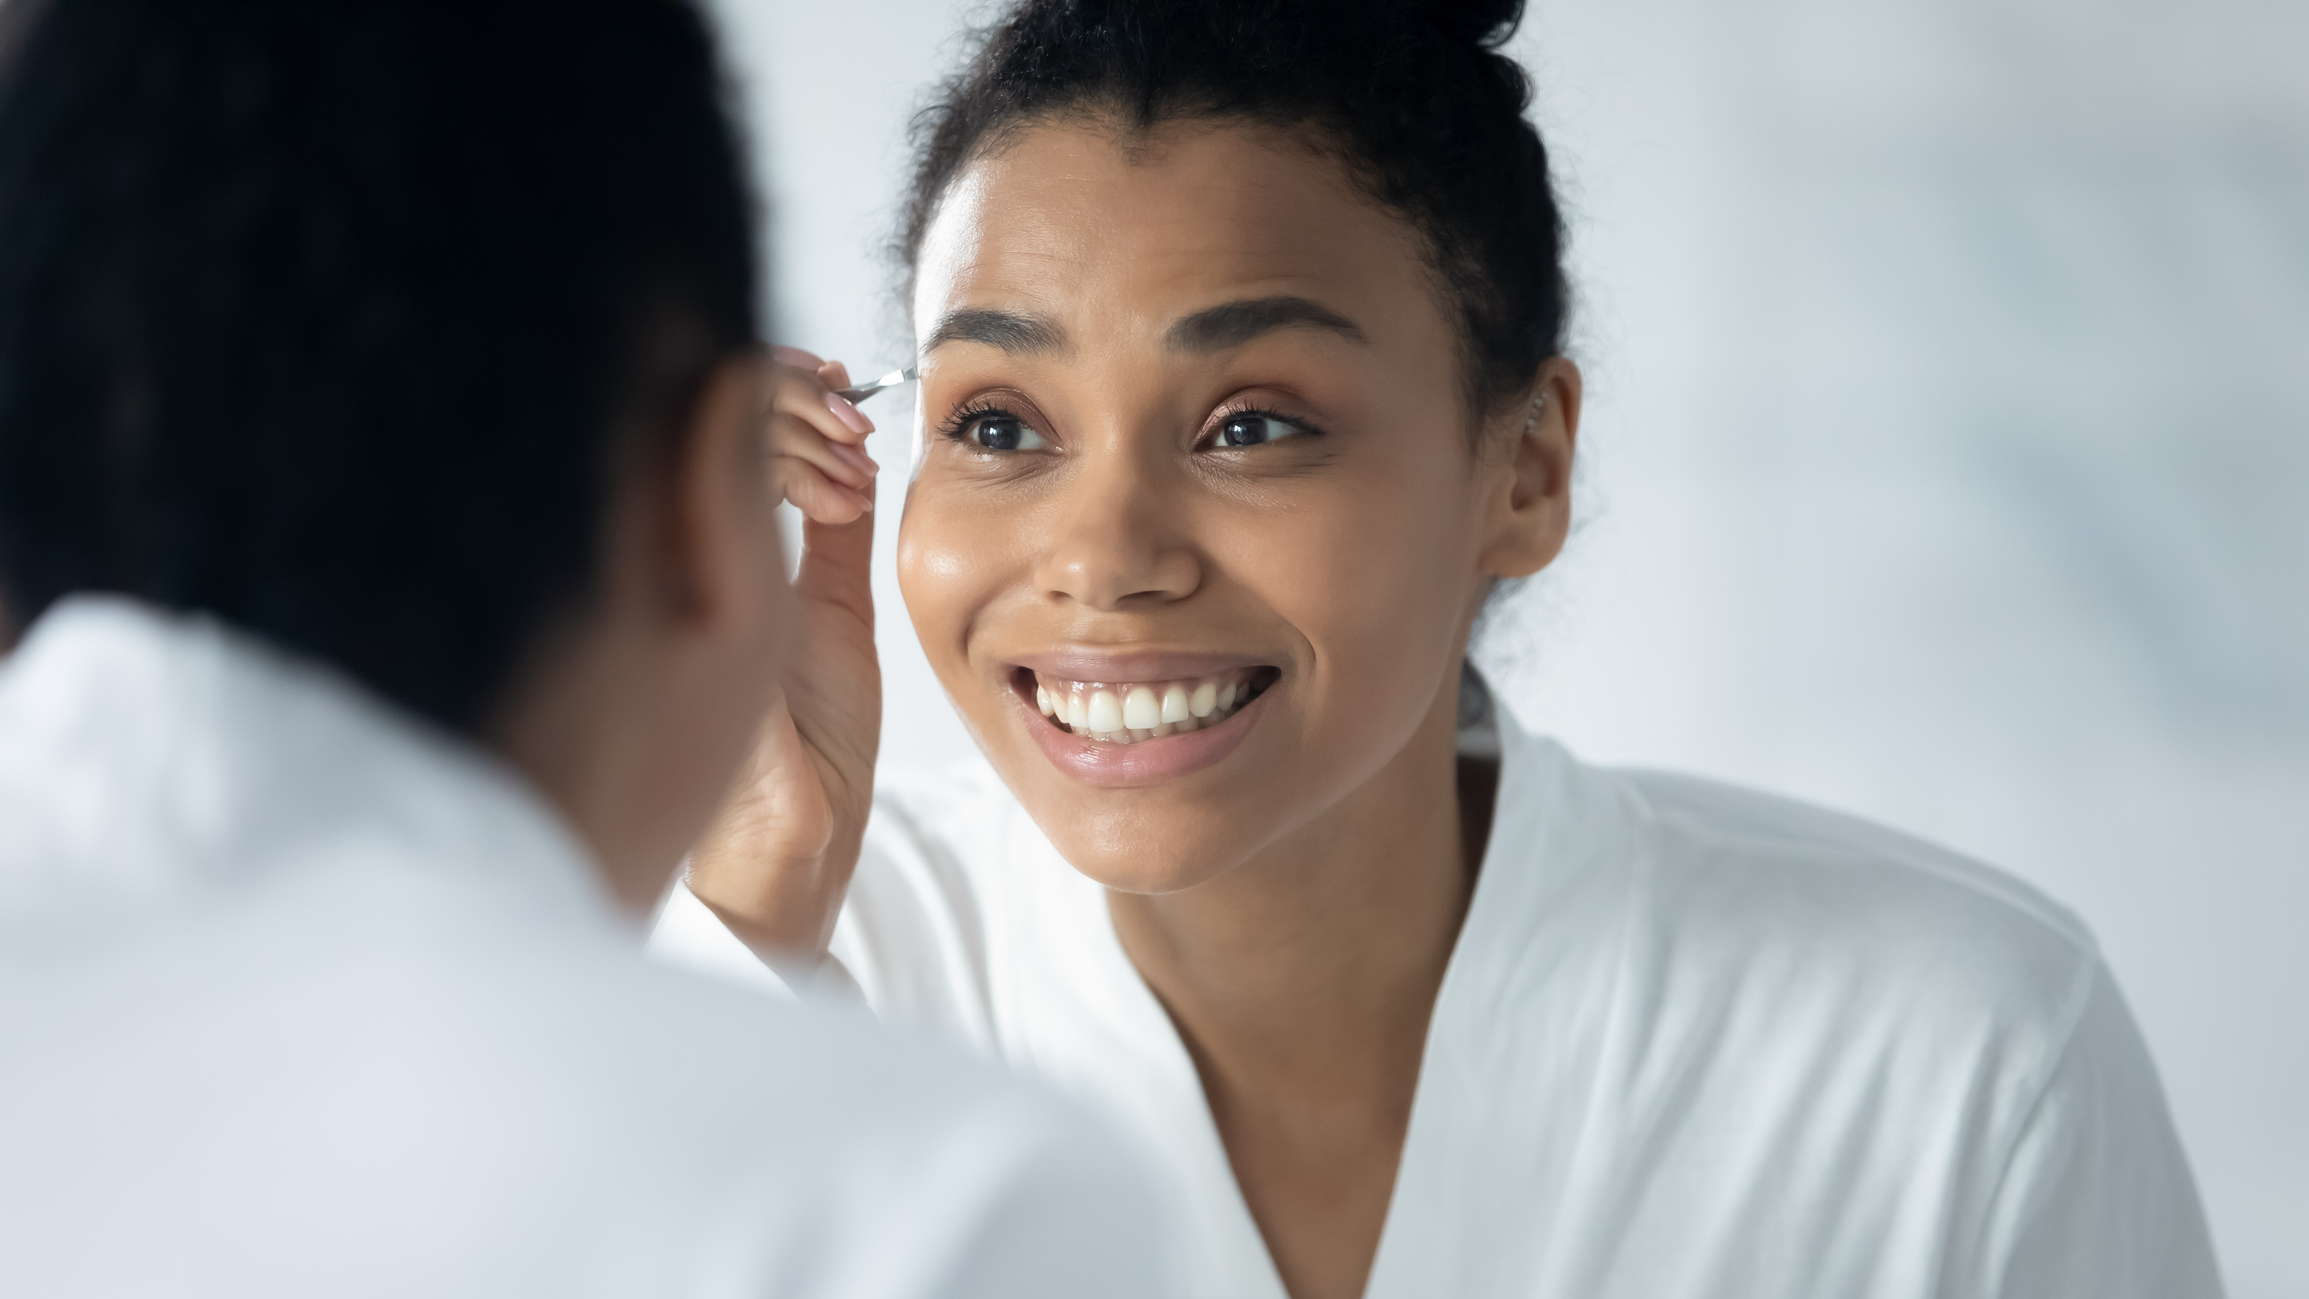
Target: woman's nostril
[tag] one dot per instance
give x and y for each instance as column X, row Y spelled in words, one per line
column 1113, row 566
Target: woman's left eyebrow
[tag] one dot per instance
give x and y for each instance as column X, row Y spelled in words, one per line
column 1232, row 324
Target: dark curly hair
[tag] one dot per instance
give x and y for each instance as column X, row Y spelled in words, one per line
column 1415, row 97
column 338, row 321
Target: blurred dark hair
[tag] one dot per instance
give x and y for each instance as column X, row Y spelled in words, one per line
column 342, row 320
column 1425, row 111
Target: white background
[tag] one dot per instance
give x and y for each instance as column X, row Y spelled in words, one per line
column 1947, row 453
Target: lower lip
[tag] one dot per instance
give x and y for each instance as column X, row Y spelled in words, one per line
column 1148, row 762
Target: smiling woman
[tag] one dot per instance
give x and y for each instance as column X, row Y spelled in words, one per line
column 1200, row 416
column 1240, row 336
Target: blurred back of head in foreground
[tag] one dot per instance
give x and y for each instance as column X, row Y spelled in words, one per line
column 365, row 327
column 339, row 321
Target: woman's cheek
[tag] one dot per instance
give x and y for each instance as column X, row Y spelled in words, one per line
column 949, row 564
column 1375, row 582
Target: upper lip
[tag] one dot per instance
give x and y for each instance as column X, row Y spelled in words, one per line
column 1093, row 663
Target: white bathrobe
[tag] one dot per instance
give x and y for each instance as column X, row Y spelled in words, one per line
column 1693, row 1042
column 298, row 999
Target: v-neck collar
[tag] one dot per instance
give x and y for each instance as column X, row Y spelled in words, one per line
column 1108, row 1035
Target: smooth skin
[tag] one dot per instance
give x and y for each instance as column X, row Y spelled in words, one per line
column 1294, row 905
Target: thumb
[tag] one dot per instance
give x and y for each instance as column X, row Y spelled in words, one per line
column 790, row 811
column 777, row 816
column 837, row 566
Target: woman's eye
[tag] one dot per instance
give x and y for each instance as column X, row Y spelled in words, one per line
column 1254, row 430
column 1003, row 433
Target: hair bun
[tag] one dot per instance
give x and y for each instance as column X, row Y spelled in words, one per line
column 1484, row 23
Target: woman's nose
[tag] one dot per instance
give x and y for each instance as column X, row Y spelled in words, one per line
column 1118, row 541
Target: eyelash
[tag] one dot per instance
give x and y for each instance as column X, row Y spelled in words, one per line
column 1219, row 421
column 956, row 426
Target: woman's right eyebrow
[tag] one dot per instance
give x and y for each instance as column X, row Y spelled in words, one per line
column 1213, row 329
column 1013, row 331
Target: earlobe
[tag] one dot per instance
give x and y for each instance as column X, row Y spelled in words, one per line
column 1530, row 509
column 722, row 535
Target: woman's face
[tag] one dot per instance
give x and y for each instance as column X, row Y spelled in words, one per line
column 1198, row 527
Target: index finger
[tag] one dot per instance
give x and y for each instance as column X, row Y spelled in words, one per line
column 808, row 398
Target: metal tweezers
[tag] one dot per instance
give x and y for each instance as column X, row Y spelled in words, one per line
column 890, row 380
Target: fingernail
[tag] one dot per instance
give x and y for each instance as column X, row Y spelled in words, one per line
column 854, row 458
column 848, row 413
column 795, row 356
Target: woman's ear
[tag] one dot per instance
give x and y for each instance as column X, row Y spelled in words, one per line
column 727, row 567
column 1528, row 513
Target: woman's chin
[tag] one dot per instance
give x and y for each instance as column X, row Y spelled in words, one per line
column 1134, row 840
column 1122, row 860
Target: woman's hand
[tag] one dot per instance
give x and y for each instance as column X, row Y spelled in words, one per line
column 777, row 862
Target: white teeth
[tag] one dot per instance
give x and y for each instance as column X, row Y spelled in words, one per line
column 1174, row 705
column 1141, row 711
column 1105, row 714
column 1127, row 713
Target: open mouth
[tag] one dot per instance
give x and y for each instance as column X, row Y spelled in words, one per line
column 1133, row 712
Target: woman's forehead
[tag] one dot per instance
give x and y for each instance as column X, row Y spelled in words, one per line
column 1076, row 222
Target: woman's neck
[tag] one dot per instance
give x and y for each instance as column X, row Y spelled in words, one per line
column 1328, row 938
column 1302, row 984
